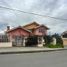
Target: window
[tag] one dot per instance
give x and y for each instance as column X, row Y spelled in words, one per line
column 65, row 35
column 41, row 30
column 3, row 38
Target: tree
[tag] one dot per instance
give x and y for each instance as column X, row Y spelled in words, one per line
column 48, row 39
column 59, row 40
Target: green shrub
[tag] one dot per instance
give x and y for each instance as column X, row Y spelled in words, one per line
column 55, row 46
column 59, row 40
column 47, row 39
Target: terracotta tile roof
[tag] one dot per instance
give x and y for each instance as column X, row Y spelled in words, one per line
column 42, row 26
column 34, row 25
column 31, row 25
column 28, row 27
column 17, row 28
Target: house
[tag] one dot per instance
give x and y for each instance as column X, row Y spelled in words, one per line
column 64, row 37
column 37, row 30
column 18, row 35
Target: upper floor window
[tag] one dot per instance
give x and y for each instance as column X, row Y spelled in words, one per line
column 41, row 30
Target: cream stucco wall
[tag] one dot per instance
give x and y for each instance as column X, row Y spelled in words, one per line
column 6, row 44
column 65, row 41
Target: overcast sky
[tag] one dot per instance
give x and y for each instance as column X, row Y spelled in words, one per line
column 53, row 8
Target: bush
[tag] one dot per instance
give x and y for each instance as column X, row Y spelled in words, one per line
column 55, row 46
column 47, row 39
column 59, row 40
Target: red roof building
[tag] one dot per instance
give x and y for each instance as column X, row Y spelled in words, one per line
column 19, row 33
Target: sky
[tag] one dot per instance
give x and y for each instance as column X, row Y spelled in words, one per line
column 52, row 8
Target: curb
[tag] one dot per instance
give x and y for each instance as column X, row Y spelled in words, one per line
column 33, row 51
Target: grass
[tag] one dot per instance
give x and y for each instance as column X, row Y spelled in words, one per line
column 55, row 46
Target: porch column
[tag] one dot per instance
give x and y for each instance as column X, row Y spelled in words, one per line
column 24, row 41
column 40, row 41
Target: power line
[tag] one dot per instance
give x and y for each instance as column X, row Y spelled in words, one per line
column 32, row 13
column 9, row 6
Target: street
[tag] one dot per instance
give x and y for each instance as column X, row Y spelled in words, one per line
column 43, row 59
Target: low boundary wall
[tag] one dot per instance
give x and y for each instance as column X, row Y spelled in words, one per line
column 6, row 44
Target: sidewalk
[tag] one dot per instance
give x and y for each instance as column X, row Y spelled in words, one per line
column 15, row 50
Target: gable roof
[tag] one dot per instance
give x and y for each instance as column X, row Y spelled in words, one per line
column 41, row 26
column 31, row 25
column 65, row 32
column 28, row 27
column 19, row 27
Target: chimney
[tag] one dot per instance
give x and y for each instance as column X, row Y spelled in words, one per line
column 8, row 28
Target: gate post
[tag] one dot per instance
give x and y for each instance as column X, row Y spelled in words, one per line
column 54, row 41
column 40, row 41
column 24, row 41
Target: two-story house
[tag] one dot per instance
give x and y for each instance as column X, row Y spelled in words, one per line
column 19, row 34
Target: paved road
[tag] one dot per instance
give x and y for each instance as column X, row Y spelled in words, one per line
column 45, row 59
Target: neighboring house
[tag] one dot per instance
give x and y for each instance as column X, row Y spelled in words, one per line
column 64, row 37
column 3, row 38
column 19, row 34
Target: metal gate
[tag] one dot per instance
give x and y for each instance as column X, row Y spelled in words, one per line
column 18, row 41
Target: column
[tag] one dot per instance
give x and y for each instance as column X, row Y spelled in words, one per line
column 24, row 41
column 40, row 41
column 54, row 41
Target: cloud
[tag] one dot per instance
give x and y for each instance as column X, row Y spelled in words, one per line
column 53, row 8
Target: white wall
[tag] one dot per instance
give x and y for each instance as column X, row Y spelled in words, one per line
column 6, row 44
